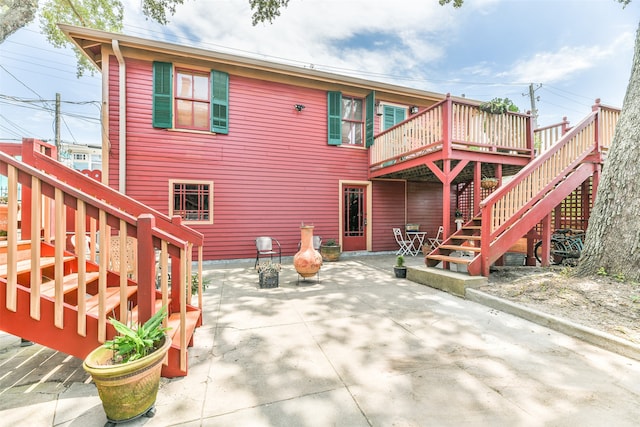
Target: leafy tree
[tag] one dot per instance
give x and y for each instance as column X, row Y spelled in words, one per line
column 100, row 14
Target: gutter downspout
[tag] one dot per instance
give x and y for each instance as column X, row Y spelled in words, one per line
column 122, row 119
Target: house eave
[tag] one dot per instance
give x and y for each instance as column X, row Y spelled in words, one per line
column 89, row 42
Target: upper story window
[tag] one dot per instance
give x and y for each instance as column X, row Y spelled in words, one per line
column 350, row 119
column 194, row 100
column 192, row 200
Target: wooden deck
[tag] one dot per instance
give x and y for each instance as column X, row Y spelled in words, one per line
column 417, row 148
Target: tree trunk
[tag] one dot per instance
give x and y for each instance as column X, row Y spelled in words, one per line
column 613, row 236
column 15, row 15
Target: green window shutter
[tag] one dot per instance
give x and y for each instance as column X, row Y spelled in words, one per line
column 219, row 102
column 334, row 112
column 392, row 116
column 370, row 107
column 162, row 111
column 389, row 117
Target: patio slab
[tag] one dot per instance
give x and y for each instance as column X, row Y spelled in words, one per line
column 357, row 348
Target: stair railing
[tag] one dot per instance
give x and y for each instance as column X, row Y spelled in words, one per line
column 502, row 208
column 46, row 191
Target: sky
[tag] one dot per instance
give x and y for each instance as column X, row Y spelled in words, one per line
column 572, row 52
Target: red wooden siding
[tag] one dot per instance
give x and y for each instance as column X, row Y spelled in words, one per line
column 388, row 212
column 425, row 206
column 273, row 171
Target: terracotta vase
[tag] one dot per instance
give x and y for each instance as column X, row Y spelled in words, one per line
column 307, row 261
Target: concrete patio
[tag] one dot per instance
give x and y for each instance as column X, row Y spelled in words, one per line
column 357, row 348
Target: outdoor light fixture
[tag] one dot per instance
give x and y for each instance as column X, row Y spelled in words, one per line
column 299, row 107
column 413, row 110
column 379, row 108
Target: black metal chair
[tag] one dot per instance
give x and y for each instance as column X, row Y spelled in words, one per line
column 265, row 246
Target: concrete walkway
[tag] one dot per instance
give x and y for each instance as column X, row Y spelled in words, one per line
column 359, row 348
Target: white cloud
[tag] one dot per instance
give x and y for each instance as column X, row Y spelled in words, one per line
column 566, row 62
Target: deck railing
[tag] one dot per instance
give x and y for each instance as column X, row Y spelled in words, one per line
column 101, row 215
column 451, row 124
column 508, row 203
column 545, row 137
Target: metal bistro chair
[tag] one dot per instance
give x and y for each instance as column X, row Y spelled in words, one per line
column 406, row 246
column 265, row 246
column 436, row 241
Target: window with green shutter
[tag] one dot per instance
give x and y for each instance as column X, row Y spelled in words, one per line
column 199, row 101
column 350, row 119
column 162, row 95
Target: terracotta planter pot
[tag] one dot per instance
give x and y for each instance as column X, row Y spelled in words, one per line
column 307, row 261
column 127, row 390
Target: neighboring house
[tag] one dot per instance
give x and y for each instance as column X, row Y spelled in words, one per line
column 81, row 157
column 241, row 147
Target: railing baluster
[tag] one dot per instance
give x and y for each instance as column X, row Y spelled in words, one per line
column 81, row 253
column 60, row 245
column 12, row 239
column 36, row 226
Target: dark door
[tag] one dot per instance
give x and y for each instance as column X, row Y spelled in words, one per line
column 354, row 220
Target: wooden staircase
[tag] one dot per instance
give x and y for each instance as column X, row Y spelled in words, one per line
column 60, row 297
column 513, row 209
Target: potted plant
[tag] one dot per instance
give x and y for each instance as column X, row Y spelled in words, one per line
column 399, row 269
column 330, row 250
column 126, row 369
column 489, row 183
column 268, row 274
column 458, row 214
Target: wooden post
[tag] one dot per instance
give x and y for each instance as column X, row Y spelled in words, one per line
column 146, row 268
column 546, row 240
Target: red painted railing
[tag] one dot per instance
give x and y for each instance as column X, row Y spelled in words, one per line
column 449, row 125
column 50, row 191
column 503, row 208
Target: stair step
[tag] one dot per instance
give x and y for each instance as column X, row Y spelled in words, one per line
column 453, row 259
column 464, row 237
column 112, row 300
column 192, row 319
column 460, row 248
column 471, row 227
column 70, row 283
column 24, row 266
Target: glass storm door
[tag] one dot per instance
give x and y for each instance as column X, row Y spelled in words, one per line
column 354, row 221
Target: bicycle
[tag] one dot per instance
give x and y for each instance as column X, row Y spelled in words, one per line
column 565, row 244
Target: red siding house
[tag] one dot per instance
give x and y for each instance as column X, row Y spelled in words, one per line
column 242, row 148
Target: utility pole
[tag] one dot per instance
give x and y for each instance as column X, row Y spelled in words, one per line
column 533, row 98
column 57, row 125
